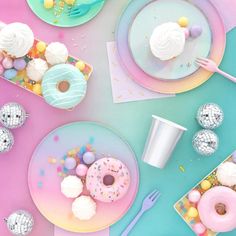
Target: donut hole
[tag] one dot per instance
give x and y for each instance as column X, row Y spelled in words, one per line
column 108, row 180
column 220, row 209
column 63, row 86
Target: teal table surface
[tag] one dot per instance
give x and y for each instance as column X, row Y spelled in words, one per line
column 132, row 120
column 134, row 123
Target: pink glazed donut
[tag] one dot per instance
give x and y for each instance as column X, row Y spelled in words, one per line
column 217, row 209
column 108, row 180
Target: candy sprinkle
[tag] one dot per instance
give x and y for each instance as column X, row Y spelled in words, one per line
column 56, row 138
column 40, row 184
column 52, row 160
column 181, row 168
column 42, row 172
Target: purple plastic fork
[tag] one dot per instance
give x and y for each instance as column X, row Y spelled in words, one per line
column 148, row 203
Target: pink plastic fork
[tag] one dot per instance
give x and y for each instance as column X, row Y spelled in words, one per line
column 148, row 203
column 211, row 66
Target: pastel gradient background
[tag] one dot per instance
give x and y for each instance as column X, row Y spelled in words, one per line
column 132, row 120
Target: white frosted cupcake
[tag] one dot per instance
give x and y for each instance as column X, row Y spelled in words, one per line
column 36, row 69
column 56, row 53
column 167, row 41
column 71, row 186
column 16, row 39
column 84, row 208
column 226, row 174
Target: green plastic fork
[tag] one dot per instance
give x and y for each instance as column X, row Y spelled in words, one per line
column 83, row 8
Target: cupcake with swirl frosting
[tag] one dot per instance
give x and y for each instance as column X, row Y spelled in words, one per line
column 167, row 41
column 16, row 39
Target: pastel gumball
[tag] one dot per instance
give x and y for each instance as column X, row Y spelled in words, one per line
column 194, row 196
column 205, row 184
column 199, row 228
column 1, row 69
column 7, row 63
column 10, row 73
column 81, row 170
column 80, row 65
column 187, row 33
column 183, row 21
column 19, row 64
column 70, row 163
column 41, row 46
column 89, row 158
column 195, row 31
column 192, row 212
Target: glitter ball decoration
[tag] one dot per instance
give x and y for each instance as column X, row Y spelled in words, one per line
column 205, row 142
column 12, row 115
column 210, row 116
column 20, row 223
column 6, row 140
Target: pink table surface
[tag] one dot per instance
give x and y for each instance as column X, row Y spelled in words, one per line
column 43, row 118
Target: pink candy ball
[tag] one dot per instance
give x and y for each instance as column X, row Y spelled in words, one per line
column 199, row 228
column 81, row 170
column 7, row 63
column 194, row 196
column 187, row 33
column 1, row 69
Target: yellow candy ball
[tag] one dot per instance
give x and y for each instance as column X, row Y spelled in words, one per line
column 80, row 65
column 183, row 21
column 205, row 184
column 41, row 46
column 69, row 2
column 192, row 212
column 37, row 89
column 48, row 4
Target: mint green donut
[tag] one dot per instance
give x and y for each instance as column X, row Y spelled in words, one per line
column 68, row 74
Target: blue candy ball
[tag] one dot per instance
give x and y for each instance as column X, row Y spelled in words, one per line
column 10, row 74
column 70, row 163
column 19, row 64
column 89, row 158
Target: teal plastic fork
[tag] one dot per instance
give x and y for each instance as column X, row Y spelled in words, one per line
column 83, row 8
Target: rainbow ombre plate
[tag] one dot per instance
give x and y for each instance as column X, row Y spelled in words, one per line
column 44, row 180
column 174, row 86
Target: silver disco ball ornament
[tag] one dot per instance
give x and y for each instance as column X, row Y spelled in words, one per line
column 6, row 140
column 20, row 223
column 12, row 115
column 205, row 142
column 210, row 116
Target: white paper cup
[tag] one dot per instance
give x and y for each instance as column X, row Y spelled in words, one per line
column 162, row 139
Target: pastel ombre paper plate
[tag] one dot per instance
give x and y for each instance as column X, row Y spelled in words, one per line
column 44, row 177
column 157, row 84
column 155, row 14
